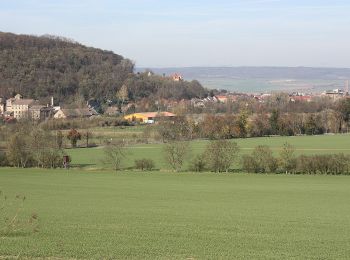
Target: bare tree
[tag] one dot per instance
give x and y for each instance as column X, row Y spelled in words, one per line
column 175, row 154
column 221, row 154
column 87, row 135
column 115, row 153
column 287, row 158
column 73, row 136
column 18, row 152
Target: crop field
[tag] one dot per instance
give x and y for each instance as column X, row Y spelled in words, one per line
column 93, row 158
column 160, row 215
column 263, row 85
column 93, row 212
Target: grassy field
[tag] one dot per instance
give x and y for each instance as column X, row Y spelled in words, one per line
column 104, row 215
column 268, row 85
column 93, row 157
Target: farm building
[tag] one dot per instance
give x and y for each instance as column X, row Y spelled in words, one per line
column 148, row 117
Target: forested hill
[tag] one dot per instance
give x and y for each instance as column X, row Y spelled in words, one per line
column 46, row 66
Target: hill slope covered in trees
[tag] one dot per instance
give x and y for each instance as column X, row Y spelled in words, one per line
column 45, row 66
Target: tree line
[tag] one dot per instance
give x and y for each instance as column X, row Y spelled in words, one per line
column 248, row 124
column 224, row 156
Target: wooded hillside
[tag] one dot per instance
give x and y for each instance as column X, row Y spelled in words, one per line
column 45, row 66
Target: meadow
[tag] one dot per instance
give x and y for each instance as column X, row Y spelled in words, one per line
column 160, row 215
column 93, row 212
column 93, row 158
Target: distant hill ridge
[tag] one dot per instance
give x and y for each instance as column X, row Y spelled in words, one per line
column 300, row 73
column 48, row 65
column 43, row 66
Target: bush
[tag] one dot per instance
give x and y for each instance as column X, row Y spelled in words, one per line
column 175, row 154
column 287, row 159
column 260, row 161
column 3, row 159
column 198, row 164
column 333, row 164
column 73, row 136
column 144, row 164
column 220, row 155
column 249, row 164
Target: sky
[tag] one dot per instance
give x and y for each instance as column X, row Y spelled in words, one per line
column 184, row 33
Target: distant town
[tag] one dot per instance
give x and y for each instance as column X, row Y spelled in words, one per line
column 17, row 107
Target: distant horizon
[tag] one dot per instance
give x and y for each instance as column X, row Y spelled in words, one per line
column 233, row 66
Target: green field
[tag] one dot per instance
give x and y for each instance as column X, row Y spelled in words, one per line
column 104, row 215
column 92, row 212
column 92, row 158
column 263, row 85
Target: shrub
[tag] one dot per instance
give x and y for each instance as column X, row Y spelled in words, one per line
column 175, row 154
column 333, row 164
column 264, row 159
column 220, row 155
column 3, row 159
column 73, row 136
column 249, row 164
column 287, row 158
column 198, row 164
column 115, row 154
column 260, row 161
column 144, row 164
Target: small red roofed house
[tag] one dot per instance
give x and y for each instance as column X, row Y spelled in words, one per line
column 222, row 98
column 301, row 98
column 176, row 77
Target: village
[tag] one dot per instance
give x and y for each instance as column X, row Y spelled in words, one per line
column 18, row 108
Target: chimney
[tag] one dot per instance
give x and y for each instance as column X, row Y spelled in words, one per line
column 52, row 101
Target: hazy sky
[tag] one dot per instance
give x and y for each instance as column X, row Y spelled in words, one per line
column 161, row 33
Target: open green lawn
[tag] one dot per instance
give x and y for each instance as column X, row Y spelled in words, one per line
column 159, row 215
column 324, row 144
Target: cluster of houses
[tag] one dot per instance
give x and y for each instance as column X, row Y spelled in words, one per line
column 334, row 94
column 18, row 107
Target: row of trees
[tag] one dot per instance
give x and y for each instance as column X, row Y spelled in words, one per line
column 262, row 160
column 218, row 156
column 227, row 126
column 221, row 156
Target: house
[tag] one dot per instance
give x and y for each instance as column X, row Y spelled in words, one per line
column 20, row 107
column 148, row 117
column 2, row 106
column 10, row 101
column 112, row 111
column 298, row 98
column 176, row 77
column 40, row 112
column 222, row 98
column 334, row 94
column 75, row 113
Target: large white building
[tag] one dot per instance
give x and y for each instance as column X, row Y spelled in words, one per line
column 19, row 108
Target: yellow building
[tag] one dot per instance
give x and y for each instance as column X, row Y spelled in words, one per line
column 148, row 117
